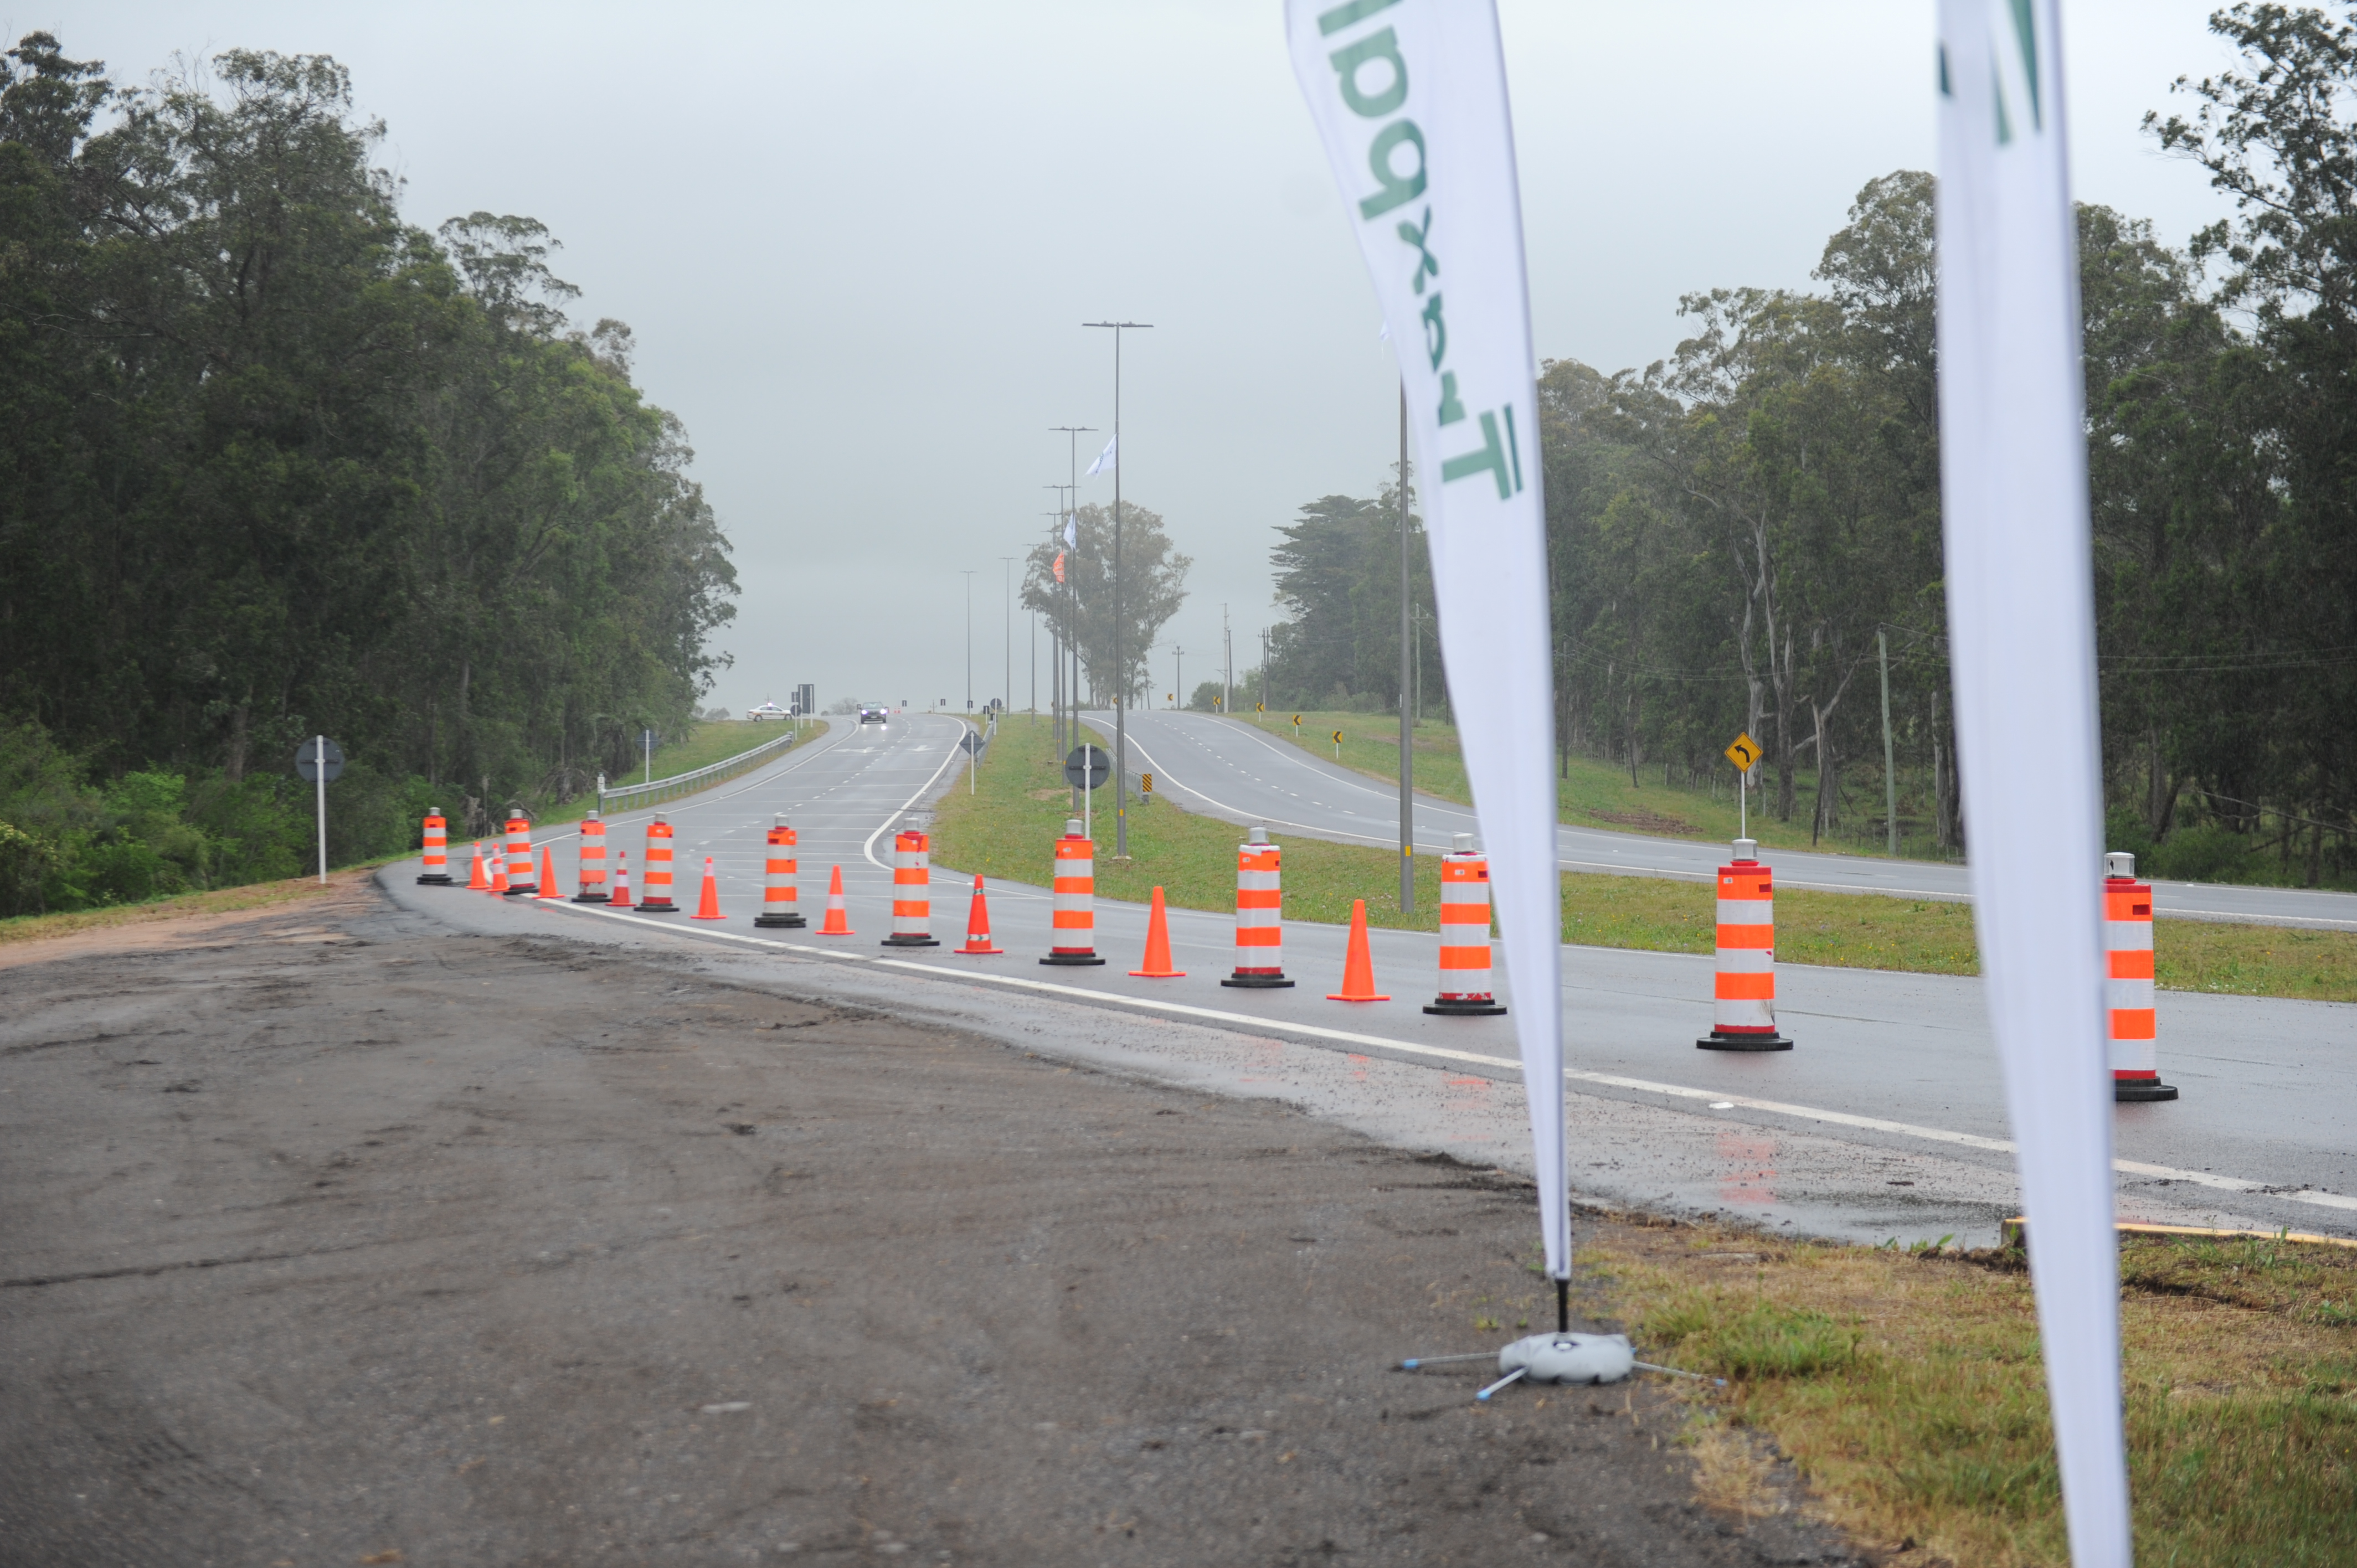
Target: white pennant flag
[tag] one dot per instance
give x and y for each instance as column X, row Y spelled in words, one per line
column 2013, row 481
column 1410, row 98
column 1105, row 459
column 1072, row 531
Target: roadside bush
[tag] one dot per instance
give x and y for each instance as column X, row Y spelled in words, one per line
column 2211, row 852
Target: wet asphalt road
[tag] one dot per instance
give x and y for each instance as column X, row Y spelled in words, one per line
column 335, row 1236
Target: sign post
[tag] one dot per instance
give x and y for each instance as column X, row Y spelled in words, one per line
column 1743, row 751
column 1085, row 769
column 319, row 760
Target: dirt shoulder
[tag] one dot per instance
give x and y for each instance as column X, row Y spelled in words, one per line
column 334, row 1238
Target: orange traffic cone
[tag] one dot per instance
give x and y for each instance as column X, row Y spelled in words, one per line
column 838, row 918
column 621, row 899
column 977, row 924
column 476, row 881
column 1359, row 963
column 547, row 888
column 499, row 873
column 707, row 908
column 1158, row 946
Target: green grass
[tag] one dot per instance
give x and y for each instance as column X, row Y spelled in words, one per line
column 712, row 740
column 1005, row 830
column 1909, row 1390
column 1597, row 794
column 182, row 905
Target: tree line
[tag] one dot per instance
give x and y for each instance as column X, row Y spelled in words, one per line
column 1746, row 535
column 280, row 462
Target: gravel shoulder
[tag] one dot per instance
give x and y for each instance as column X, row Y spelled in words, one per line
column 335, row 1237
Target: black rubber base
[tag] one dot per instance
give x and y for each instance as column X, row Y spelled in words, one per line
column 520, row 893
column 666, row 907
column 2142, row 1090
column 780, row 922
column 1257, row 983
column 435, row 879
column 908, row 942
column 1743, row 1043
column 593, row 897
column 1466, row 1010
column 1074, row 960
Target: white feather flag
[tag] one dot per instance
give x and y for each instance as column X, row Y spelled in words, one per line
column 2013, row 467
column 1410, row 98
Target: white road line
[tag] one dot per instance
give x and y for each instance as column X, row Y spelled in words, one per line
column 1441, row 1053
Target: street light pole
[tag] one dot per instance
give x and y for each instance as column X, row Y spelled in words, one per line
column 1120, row 671
column 1073, row 434
column 1007, row 698
column 969, row 642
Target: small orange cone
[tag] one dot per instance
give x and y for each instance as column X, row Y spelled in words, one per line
column 547, row 888
column 977, row 924
column 838, row 919
column 476, row 881
column 1359, row 964
column 707, row 908
column 499, row 873
column 621, row 899
column 1158, row 946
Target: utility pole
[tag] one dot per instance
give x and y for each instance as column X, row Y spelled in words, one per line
column 1177, row 676
column 1890, row 779
column 1120, row 671
column 1007, row 698
column 969, row 642
column 1073, row 434
column 1408, row 675
column 1227, row 665
column 1055, row 636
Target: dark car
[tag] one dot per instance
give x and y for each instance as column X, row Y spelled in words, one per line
column 874, row 715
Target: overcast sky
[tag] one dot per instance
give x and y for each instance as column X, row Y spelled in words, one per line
column 858, row 240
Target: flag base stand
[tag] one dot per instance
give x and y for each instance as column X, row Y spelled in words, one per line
column 2132, row 1090
column 781, row 922
column 1446, row 1009
column 1717, row 1040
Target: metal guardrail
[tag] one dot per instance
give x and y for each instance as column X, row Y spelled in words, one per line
column 655, row 791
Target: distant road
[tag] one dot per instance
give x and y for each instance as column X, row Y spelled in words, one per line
column 1225, row 767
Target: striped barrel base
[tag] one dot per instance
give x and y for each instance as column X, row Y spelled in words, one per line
column 1271, row 980
column 1466, row 1007
column 1743, row 1040
column 909, row 940
column 657, row 906
column 600, row 896
column 435, row 879
column 1082, row 960
column 526, row 891
column 2125, row 1091
column 781, row 922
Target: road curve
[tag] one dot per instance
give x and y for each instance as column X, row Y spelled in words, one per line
column 1894, row 1081
column 1229, row 770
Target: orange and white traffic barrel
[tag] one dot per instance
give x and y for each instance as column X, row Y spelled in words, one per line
column 1260, row 916
column 912, row 891
column 437, row 870
column 2128, row 983
column 1465, row 984
column 522, row 878
column 654, row 872
column 1743, row 993
column 1075, row 938
column 781, row 886
column 594, row 888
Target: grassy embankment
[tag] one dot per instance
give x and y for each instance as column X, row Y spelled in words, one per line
column 1907, row 1390
column 1005, row 830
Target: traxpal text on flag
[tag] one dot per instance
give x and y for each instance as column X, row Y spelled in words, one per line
column 1400, row 200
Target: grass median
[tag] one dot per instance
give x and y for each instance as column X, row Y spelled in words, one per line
column 1008, row 827
column 1907, row 1390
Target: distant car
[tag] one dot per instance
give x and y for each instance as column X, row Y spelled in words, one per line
column 875, row 715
